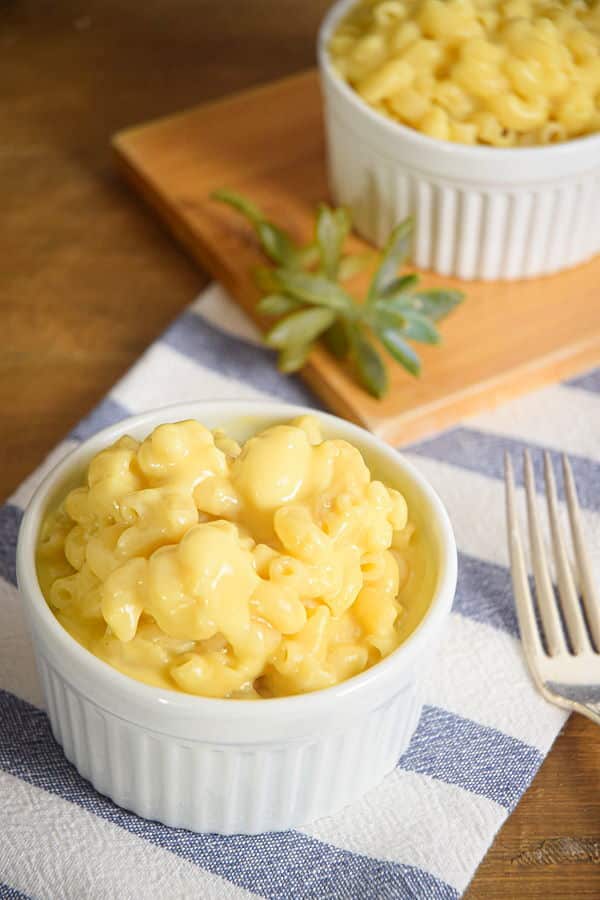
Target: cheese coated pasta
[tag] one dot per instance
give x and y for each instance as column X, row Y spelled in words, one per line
column 190, row 562
column 497, row 72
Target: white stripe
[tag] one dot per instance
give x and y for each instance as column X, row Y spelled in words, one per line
column 24, row 492
column 480, row 674
column 55, row 850
column 536, row 418
column 217, row 307
column 18, row 674
column 475, row 504
column 175, row 379
column 413, row 819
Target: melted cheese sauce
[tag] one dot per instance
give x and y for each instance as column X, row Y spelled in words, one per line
column 192, row 563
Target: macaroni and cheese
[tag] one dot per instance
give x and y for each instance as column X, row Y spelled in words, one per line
column 190, row 562
column 497, row 72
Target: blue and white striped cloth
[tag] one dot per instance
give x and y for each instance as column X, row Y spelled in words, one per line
column 484, row 730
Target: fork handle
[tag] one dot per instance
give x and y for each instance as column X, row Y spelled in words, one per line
column 591, row 710
column 582, row 698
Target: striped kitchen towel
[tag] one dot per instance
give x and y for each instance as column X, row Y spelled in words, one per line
column 484, row 730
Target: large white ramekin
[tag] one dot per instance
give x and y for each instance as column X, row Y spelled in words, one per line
column 481, row 212
column 233, row 766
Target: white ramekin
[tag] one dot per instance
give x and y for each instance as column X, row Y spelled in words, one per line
column 233, row 766
column 480, row 212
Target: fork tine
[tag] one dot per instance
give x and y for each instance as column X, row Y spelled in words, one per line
column 523, row 600
column 546, row 600
column 591, row 596
column 569, row 599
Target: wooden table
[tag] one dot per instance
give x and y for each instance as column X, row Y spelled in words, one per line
column 89, row 279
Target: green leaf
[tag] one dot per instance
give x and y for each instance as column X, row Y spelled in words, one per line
column 436, row 303
column 309, row 256
column 400, row 286
column 332, row 230
column 395, row 254
column 275, row 242
column 354, row 263
column 397, row 347
column 276, row 305
column 396, row 306
column 243, row 206
column 420, row 305
column 303, row 288
column 407, row 322
column 382, row 315
column 299, row 327
column 369, row 365
column 293, row 357
column 420, row 328
column 336, row 340
column 395, row 301
column 315, row 289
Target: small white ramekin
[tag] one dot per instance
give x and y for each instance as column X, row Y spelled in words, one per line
column 233, row 766
column 480, row 212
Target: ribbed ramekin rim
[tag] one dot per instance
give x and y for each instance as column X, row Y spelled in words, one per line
column 150, row 696
column 550, row 153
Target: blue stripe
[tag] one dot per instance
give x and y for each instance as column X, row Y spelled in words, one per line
column 230, row 356
column 275, row 865
column 479, row 452
column 484, row 593
column 588, row 382
column 106, row 413
column 479, row 759
column 10, row 893
column 10, row 522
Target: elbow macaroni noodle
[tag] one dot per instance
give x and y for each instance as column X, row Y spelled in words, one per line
column 189, row 562
column 497, row 72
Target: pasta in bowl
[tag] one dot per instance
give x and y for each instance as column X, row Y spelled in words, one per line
column 480, row 117
column 273, row 568
column 494, row 72
column 249, row 600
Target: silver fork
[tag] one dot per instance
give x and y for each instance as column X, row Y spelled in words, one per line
column 563, row 656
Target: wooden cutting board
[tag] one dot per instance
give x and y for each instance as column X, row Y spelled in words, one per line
column 268, row 143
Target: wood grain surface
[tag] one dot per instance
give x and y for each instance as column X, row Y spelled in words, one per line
column 506, row 338
column 88, row 279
